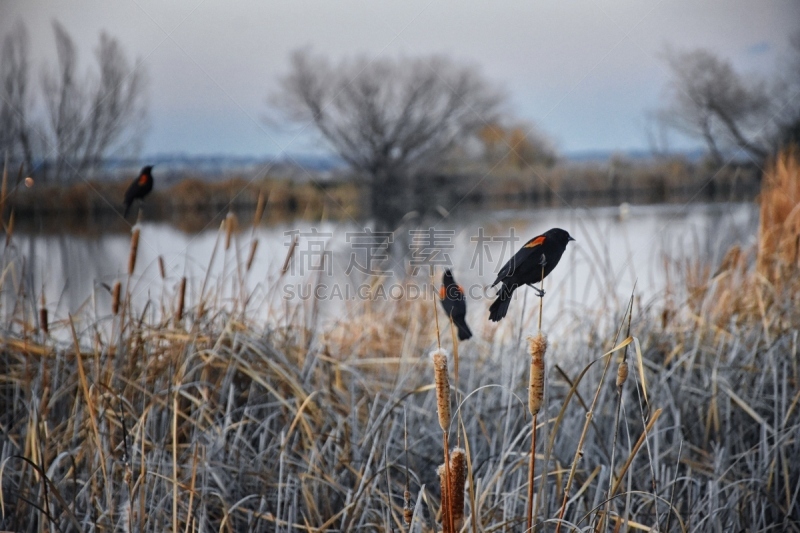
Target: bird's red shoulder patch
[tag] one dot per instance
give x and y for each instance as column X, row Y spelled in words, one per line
column 442, row 292
column 143, row 179
column 533, row 243
column 460, row 289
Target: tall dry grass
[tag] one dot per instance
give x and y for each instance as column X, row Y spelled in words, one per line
column 212, row 415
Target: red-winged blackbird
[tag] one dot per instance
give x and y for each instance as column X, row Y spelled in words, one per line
column 139, row 188
column 455, row 304
column 526, row 268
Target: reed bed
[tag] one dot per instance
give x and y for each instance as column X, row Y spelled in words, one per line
column 209, row 416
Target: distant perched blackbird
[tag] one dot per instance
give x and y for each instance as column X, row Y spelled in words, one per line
column 139, row 188
column 525, row 268
column 455, row 304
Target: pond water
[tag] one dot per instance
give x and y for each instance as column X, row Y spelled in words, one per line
column 331, row 261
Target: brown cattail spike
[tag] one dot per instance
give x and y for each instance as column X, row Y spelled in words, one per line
column 134, row 251
column 622, row 373
column 408, row 512
column 259, row 208
column 458, row 478
column 43, row 325
column 162, row 269
column 442, row 381
column 252, row 256
column 10, row 228
column 115, row 294
column 537, row 346
column 181, row 300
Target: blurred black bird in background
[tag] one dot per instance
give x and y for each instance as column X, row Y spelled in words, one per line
column 139, row 188
column 455, row 304
column 526, row 268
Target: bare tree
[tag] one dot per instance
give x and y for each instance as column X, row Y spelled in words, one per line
column 789, row 95
column 15, row 99
column 389, row 119
column 710, row 101
column 89, row 117
column 65, row 101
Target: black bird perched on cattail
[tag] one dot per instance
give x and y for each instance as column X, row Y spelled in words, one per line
column 140, row 187
column 455, row 304
column 535, row 260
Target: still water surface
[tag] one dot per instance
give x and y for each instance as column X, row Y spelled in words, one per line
column 612, row 253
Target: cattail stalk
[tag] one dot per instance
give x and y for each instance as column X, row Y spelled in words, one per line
column 622, row 376
column 252, row 256
column 134, row 251
column 161, row 267
column 4, row 186
column 408, row 512
column 537, row 346
column 289, row 255
column 442, row 381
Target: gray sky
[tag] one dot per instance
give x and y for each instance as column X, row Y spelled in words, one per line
column 587, row 73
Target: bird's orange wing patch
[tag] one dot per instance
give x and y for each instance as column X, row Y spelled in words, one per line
column 533, row 243
column 441, row 292
column 142, row 179
column 460, row 289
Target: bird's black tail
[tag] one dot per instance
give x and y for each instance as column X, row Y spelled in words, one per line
column 464, row 332
column 499, row 308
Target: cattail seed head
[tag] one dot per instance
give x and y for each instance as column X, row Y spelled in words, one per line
column 181, row 300
column 537, row 346
column 259, row 208
column 442, row 471
column 442, row 381
column 115, row 295
column 622, row 373
column 458, row 478
column 134, row 251
column 252, row 256
column 162, row 269
column 408, row 512
column 43, row 325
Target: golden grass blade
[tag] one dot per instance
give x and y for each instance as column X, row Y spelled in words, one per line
column 640, row 368
column 746, row 408
column 635, row 450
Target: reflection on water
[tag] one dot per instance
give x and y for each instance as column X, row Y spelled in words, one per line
column 611, row 253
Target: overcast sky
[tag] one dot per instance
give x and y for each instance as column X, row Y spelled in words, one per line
column 586, row 72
